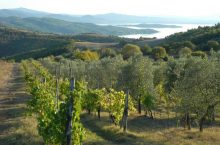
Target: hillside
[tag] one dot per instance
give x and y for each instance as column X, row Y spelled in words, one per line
column 19, row 44
column 202, row 38
column 51, row 25
column 22, row 44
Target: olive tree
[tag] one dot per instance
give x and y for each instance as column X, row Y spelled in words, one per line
column 138, row 77
column 198, row 89
column 130, row 50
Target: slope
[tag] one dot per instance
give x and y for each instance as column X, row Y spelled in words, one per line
column 51, row 25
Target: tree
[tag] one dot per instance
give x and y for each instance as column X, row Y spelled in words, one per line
column 198, row 89
column 213, row 44
column 173, row 71
column 70, row 47
column 146, row 50
column 138, row 78
column 159, row 52
column 159, row 72
column 185, row 52
column 149, row 103
column 111, row 69
column 86, row 55
column 189, row 44
column 107, row 52
column 130, row 50
column 199, row 54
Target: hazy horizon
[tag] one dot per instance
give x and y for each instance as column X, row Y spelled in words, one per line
column 106, row 13
column 160, row 8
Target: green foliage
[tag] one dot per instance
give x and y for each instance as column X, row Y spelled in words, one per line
column 149, row 102
column 130, row 50
column 93, row 99
column 189, row 44
column 198, row 37
column 114, row 102
column 173, row 71
column 160, row 97
column 52, row 122
column 198, row 87
column 185, row 52
column 86, row 55
column 70, row 47
column 107, row 52
column 138, row 76
column 146, row 50
column 159, row 52
column 199, row 54
column 159, row 72
column 213, row 44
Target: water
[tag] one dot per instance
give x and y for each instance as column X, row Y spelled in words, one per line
column 163, row 32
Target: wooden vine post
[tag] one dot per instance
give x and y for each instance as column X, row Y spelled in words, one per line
column 125, row 114
column 139, row 104
column 70, row 113
column 57, row 88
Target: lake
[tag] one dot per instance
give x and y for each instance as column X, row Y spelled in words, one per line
column 163, row 32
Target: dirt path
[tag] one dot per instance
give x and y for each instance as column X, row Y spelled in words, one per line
column 16, row 128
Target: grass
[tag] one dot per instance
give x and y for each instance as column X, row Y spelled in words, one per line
column 5, row 70
column 16, row 128
column 144, row 131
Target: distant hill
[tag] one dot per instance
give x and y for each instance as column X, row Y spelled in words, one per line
column 51, row 25
column 110, row 18
column 19, row 44
column 22, row 13
column 197, row 39
column 22, row 44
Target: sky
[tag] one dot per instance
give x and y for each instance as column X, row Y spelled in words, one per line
column 185, row 8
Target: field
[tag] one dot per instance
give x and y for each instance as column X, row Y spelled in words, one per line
column 93, row 45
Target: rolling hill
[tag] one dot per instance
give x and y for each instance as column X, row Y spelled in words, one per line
column 22, row 13
column 20, row 44
column 51, row 25
column 202, row 38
